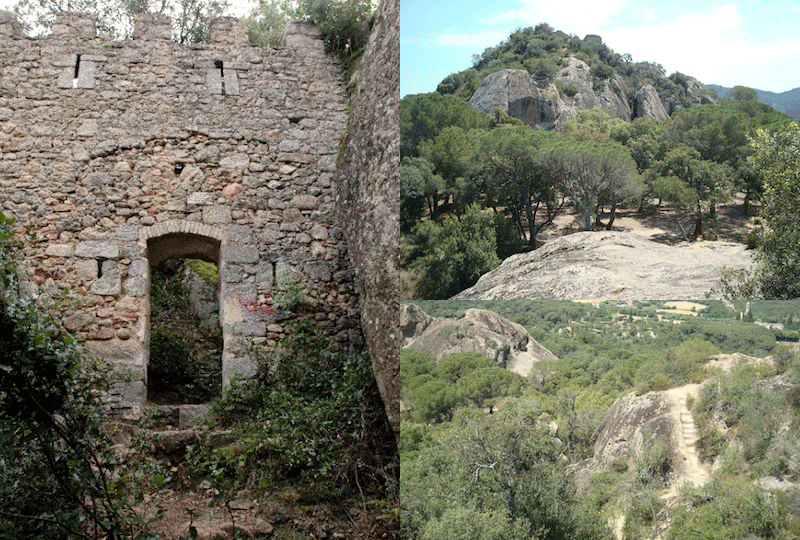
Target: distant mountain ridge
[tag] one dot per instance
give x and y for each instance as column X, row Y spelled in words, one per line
column 786, row 102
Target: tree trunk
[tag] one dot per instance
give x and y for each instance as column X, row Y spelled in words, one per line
column 612, row 217
column 698, row 223
column 680, row 226
column 746, row 201
column 529, row 216
column 587, row 217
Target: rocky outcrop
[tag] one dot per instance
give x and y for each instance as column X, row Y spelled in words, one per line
column 612, row 97
column 413, row 321
column 481, row 331
column 368, row 179
column 538, row 102
column 648, row 103
column 634, row 424
column 551, row 102
column 610, row 265
column 697, row 93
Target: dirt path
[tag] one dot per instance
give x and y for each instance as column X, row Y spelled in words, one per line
column 691, row 470
column 659, row 224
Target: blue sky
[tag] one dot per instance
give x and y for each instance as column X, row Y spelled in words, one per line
column 749, row 43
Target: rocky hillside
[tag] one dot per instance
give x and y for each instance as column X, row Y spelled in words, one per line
column 480, row 331
column 610, row 265
column 551, row 102
column 543, row 77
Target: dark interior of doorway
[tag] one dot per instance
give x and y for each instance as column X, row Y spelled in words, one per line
column 185, row 365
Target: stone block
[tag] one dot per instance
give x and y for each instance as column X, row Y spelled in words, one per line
column 304, row 202
column 192, row 415
column 237, row 366
column 318, row 271
column 86, row 269
column 88, row 128
column 78, row 320
column 319, row 232
column 127, row 233
column 136, row 286
column 237, row 253
column 200, row 198
column 59, row 250
column 235, row 162
column 217, row 214
column 138, row 268
column 231, row 273
column 109, row 283
column 241, row 234
column 97, row 250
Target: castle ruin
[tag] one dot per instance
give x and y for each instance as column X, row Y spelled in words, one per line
column 119, row 155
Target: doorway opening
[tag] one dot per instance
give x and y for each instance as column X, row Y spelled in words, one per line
column 185, row 348
column 185, row 365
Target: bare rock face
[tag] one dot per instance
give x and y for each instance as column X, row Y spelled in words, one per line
column 413, row 321
column 610, row 265
column 538, row 101
column 611, row 97
column 484, row 332
column 648, row 103
column 368, row 177
column 498, row 90
column 697, row 92
column 628, row 421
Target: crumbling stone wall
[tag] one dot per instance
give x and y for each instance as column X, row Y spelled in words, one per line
column 121, row 154
column 369, row 182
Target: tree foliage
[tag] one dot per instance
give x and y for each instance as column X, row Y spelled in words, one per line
column 503, row 468
column 455, row 254
column 345, row 24
column 190, row 18
column 58, row 470
column 777, row 157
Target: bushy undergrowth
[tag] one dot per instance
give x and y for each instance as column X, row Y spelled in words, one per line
column 747, row 421
column 58, row 475
column 311, row 413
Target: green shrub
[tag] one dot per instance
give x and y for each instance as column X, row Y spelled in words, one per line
column 59, row 474
column 311, row 412
column 567, row 88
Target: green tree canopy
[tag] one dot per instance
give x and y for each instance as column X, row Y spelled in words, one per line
column 741, row 93
column 587, row 170
column 777, row 157
column 455, row 254
column 419, row 190
column 505, row 467
column 424, row 116
column 517, row 176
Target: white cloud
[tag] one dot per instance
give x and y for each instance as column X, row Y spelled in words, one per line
column 575, row 16
column 711, row 47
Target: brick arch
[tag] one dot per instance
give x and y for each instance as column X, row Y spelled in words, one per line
column 183, row 239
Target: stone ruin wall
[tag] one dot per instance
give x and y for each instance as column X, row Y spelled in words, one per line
column 121, row 154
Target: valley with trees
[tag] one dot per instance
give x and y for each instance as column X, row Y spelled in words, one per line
column 471, row 179
column 626, row 412
column 657, row 420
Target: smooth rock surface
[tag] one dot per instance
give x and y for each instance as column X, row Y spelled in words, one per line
column 610, row 265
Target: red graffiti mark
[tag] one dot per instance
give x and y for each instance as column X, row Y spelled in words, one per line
column 263, row 305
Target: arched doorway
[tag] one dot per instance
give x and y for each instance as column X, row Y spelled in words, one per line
column 185, row 339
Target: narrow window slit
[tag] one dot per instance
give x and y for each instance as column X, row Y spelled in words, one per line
column 99, row 268
column 219, row 65
column 77, row 71
column 274, row 274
